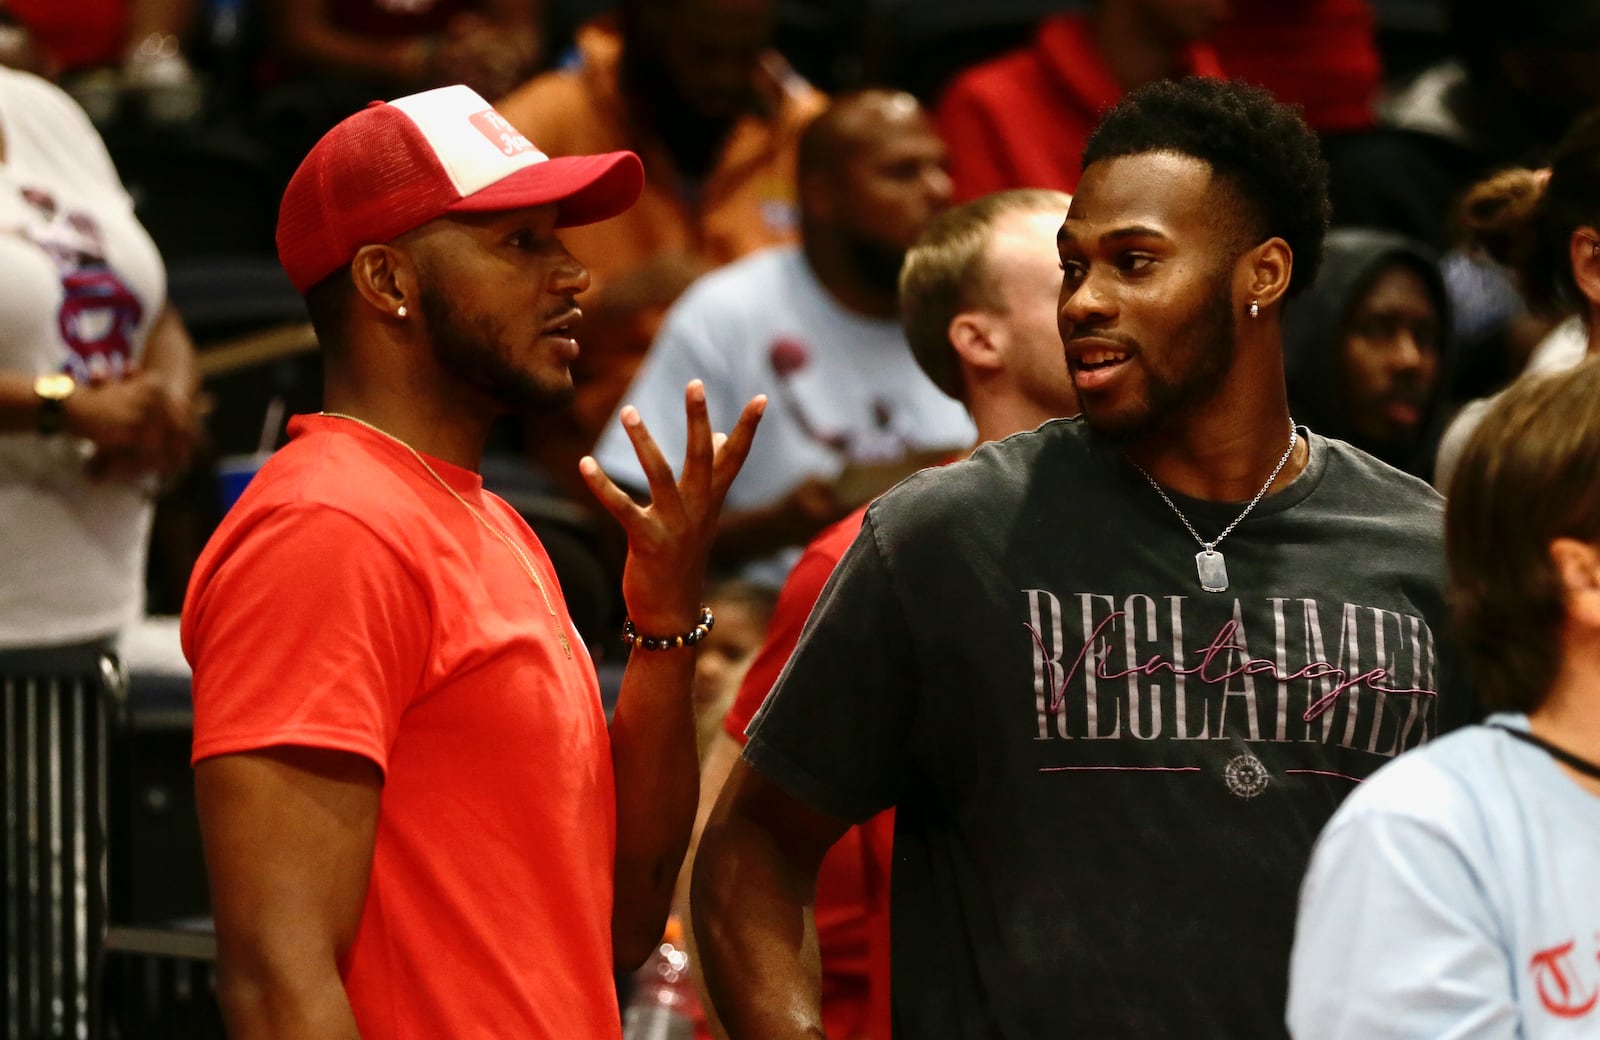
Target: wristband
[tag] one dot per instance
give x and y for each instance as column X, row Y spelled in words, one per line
column 631, row 636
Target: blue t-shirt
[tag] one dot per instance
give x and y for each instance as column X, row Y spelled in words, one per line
column 1455, row 895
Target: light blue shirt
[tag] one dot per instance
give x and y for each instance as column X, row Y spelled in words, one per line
column 1455, row 895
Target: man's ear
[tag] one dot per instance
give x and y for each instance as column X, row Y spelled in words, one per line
column 974, row 337
column 1262, row 275
column 1577, row 564
column 1583, row 250
column 385, row 279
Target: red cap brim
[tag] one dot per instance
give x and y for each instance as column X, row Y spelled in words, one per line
column 587, row 188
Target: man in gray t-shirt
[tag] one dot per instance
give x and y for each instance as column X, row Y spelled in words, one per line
column 1116, row 673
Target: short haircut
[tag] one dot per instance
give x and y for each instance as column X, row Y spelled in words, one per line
column 1526, row 478
column 946, row 272
column 1261, row 147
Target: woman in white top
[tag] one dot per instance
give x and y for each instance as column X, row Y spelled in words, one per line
column 97, row 388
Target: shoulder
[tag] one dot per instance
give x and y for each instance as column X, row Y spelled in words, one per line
column 979, row 492
column 1440, row 787
column 735, row 288
column 1385, row 489
column 999, row 78
column 548, row 107
column 30, row 98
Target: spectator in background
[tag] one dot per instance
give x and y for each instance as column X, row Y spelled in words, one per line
column 1453, row 894
column 694, row 89
column 384, row 48
column 1545, row 225
column 813, row 326
column 1321, row 55
column 97, row 405
column 743, row 609
column 1367, row 348
column 1523, row 75
column 102, row 50
column 1020, row 120
column 978, row 303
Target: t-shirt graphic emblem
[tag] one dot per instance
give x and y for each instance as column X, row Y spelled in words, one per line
column 1246, row 776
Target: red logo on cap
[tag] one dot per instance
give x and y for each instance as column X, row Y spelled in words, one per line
column 500, row 133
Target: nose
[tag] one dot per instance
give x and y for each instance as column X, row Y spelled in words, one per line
column 1407, row 355
column 937, row 186
column 1083, row 303
column 569, row 275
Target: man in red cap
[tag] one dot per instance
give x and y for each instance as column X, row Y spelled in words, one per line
column 416, row 821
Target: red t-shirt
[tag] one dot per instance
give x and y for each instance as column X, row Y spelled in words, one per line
column 852, row 907
column 1319, row 54
column 349, row 602
column 1022, row 119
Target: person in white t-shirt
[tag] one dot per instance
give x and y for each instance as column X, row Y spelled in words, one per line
column 815, row 328
column 1453, row 896
column 97, row 391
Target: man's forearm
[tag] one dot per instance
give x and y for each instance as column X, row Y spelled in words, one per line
column 657, row 769
column 756, row 935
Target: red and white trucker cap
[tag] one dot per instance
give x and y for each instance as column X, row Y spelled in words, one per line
column 395, row 166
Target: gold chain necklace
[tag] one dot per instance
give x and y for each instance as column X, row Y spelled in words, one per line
column 505, row 539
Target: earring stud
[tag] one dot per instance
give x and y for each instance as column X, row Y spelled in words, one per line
column 400, row 311
column 1255, row 309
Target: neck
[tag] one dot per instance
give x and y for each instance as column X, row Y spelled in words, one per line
column 1570, row 716
column 1224, row 462
column 999, row 414
column 1133, row 54
column 456, row 436
column 831, row 264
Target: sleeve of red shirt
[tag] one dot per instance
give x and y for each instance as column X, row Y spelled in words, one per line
column 799, row 594
column 307, row 630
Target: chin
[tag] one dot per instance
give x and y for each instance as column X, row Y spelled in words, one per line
column 1114, row 424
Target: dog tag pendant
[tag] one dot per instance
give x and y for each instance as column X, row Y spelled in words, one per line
column 1213, row 570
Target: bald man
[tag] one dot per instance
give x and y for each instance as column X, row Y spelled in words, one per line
column 815, row 327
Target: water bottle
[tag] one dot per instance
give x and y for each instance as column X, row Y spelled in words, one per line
column 663, row 1002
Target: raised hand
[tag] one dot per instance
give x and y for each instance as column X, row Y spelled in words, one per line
column 669, row 540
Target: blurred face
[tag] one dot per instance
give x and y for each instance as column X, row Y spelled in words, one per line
column 891, row 183
column 1021, row 267
column 1391, row 358
column 710, row 49
column 723, row 658
column 498, row 297
column 1145, row 314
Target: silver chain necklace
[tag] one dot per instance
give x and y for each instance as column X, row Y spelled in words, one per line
column 1210, row 565
column 505, row 539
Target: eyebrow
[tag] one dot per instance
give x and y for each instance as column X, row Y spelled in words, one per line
column 1063, row 236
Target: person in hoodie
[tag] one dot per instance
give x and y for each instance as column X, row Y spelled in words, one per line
column 1366, row 347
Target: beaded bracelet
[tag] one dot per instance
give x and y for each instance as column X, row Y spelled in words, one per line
column 631, row 636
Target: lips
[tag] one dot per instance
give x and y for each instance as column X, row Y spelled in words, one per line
column 563, row 325
column 1095, row 364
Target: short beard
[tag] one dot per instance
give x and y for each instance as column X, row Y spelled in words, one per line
column 1208, row 349
column 471, row 351
column 877, row 264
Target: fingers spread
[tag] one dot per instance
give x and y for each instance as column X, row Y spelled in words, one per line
column 663, row 487
column 697, row 454
column 731, row 453
column 616, row 501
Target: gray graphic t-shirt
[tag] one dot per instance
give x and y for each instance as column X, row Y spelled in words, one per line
column 1107, row 780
